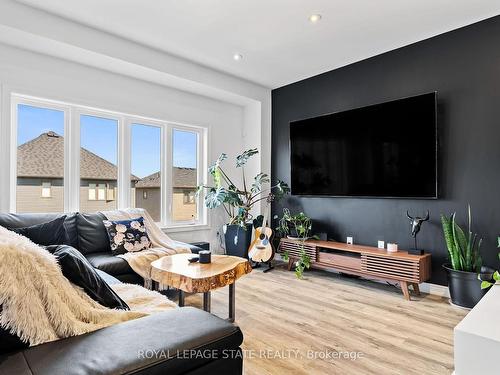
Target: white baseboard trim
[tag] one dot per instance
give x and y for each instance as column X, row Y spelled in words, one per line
column 436, row 289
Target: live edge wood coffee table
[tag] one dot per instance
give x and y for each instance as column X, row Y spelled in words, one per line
column 177, row 272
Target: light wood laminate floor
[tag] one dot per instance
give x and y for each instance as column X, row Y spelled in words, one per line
column 287, row 321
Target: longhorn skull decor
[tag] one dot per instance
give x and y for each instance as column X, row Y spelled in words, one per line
column 416, row 223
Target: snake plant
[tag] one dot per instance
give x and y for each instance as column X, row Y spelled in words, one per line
column 463, row 249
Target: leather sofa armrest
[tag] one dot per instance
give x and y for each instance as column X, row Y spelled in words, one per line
column 174, row 342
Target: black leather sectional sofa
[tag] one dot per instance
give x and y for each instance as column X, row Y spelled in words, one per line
column 180, row 341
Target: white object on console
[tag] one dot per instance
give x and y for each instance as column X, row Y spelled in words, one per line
column 381, row 244
column 350, row 240
column 392, row 247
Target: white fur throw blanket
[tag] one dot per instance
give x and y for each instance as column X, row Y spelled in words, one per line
column 39, row 304
column 163, row 245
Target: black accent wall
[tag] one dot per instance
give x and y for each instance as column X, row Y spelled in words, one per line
column 463, row 66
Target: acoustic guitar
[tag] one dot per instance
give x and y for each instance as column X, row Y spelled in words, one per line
column 261, row 249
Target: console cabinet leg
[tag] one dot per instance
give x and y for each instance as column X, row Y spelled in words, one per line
column 291, row 261
column 416, row 288
column 404, row 289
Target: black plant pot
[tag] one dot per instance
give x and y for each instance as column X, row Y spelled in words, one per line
column 238, row 240
column 465, row 288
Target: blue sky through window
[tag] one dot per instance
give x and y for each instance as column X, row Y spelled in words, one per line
column 100, row 136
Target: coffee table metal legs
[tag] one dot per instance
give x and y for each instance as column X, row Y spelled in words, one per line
column 232, row 301
column 207, row 301
column 207, row 297
column 181, row 298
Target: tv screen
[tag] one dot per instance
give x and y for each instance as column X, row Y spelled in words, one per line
column 383, row 150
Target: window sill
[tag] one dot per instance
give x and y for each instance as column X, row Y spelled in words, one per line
column 184, row 228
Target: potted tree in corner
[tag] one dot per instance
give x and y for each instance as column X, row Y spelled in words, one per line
column 238, row 201
column 465, row 262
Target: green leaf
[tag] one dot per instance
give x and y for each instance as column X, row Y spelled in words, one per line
column 215, row 171
column 496, row 276
column 486, row 284
column 215, row 197
column 450, row 243
column 242, row 159
column 498, row 239
column 281, row 189
column 260, row 179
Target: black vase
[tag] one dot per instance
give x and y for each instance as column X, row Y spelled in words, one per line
column 238, row 239
column 465, row 287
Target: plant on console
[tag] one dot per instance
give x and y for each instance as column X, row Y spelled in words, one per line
column 300, row 226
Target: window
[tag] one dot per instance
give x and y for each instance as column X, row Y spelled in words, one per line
column 146, row 168
column 92, row 192
column 46, row 190
column 184, row 175
column 75, row 158
column 98, row 161
column 40, row 155
column 189, row 197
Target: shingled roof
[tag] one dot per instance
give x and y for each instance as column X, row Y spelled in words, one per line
column 43, row 157
column 182, row 178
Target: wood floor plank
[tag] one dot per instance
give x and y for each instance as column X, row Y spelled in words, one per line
column 290, row 325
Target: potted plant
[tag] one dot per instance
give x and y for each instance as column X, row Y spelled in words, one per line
column 296, row 227
column 492, row 277
column 238, row 201
column 465, row 262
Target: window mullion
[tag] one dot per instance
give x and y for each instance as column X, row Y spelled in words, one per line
column 167, row 175
column 72, row 161
column 124, row 196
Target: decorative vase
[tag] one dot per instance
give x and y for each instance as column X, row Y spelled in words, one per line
column 465, row 287
column 237, row 239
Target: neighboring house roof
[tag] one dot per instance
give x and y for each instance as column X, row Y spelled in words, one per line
column 43, row 157
column 182, row 178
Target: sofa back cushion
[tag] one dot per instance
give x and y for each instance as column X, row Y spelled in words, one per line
column 92, row 235
column 12, row 221
column 50, row 233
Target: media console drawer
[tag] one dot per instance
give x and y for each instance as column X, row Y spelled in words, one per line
column 340, row 259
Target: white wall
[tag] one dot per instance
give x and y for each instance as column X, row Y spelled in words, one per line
column 47, row 77
column 72, row 62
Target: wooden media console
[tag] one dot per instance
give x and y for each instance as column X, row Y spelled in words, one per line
column 366, row 261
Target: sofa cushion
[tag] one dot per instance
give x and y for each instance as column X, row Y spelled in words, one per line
column 92, row 236
column 109, row 263
column 127, row 235
column 50, row 233
column 11, row 221
column 160, row 344
column 77, row 269
column 10, row 342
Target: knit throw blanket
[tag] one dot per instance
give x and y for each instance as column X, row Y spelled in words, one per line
column 163, row 245
column 39, row 304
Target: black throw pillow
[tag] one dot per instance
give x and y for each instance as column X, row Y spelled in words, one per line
column 77, row 269
column 10, row 342
column 127, row 235
column 50, row 233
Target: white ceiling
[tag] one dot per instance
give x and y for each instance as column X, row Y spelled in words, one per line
column 278, row 43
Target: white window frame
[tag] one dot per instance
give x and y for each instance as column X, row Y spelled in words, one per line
column 72, row 113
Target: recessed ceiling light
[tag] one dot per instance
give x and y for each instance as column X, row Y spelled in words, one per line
column 315, row 18
column 237, row 56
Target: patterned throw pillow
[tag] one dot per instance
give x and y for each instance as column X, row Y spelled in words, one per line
column 127, row 235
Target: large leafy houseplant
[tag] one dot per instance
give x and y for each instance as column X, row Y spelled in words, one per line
column 238, row 201
column 300, row 226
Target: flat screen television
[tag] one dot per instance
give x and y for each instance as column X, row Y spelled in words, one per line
column 384, row 150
